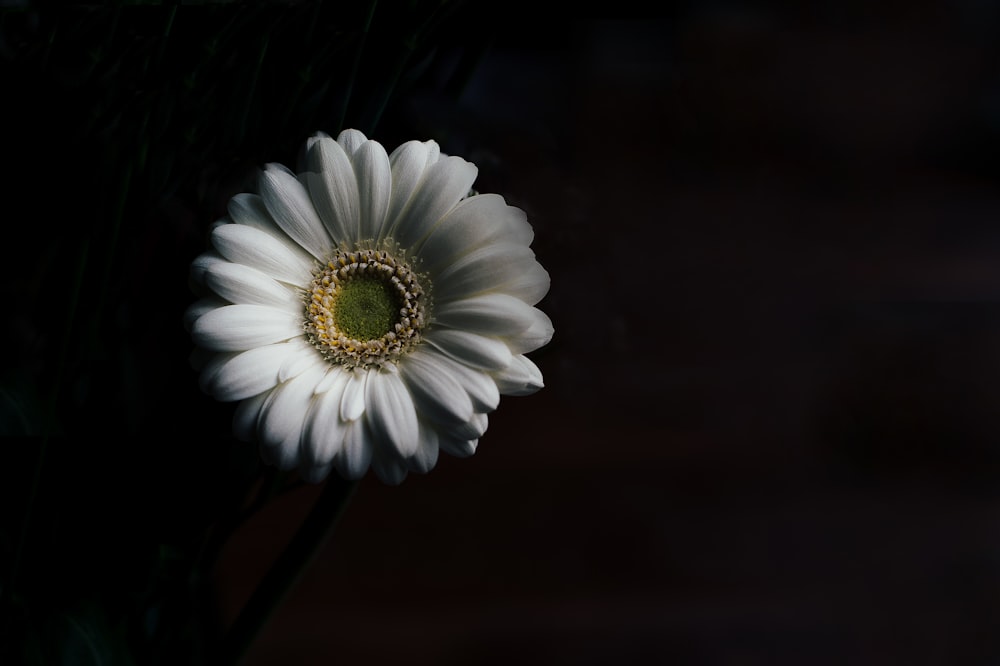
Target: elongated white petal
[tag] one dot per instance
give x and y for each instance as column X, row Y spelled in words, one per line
column 389, row 469
column 439, row 395
column 334, row 189
column 390, row 412
column 305, row 356
column 249, row 209
column 472, row 429
column 250, row 372
column 242, row 327
column 200, row 266
column 444, row 184
column 288, row 202
column 200, row 307
column 335, row 375
column 481, row 388
column 536, row 336
column 253, row 247
column 457, row 447
column 521, row 377
column 350, row 140
column 323, row 437
column 352, row 405
column 408, row 163
column 371, row 164
column 356, row 454
column 283, row 417
column 238, row 283
column 426, row 455
column 246, row 416
column 489, row 314
column 475, row 351
column 473, row 223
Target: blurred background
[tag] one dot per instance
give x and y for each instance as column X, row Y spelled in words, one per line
column 769, row 431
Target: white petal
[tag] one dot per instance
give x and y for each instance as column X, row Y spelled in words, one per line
column 371, row 164
column 250, row 372
column 297, row 363
column 334, row 189
column 457, row 447
column 389, row 411
column 350, row 140
column 444, row 184
column 201, row 264
column 521, row 377
column 408, row 163
column 211, row 366
column 426, row 456
column 323, row 437
column 242, row 327
column 246, row 416
column 481, row 388
column 536, row 336
column 200, row 307
column 473, row 223
column 474, row 350
column 438, row 394
column 249, row 209
column 238, row 283
column 489, row 314
column 289, row 204
column 283, row 417
column 505, row 268
column 252, row 247
column 472, row 429
column 356, row 455
column 353, row 404
column 389, row 469
column 335, row 374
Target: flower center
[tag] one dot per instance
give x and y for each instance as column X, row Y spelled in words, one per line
column 364, row 308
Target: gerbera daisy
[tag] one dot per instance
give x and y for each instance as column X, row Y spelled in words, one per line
column 369, row 311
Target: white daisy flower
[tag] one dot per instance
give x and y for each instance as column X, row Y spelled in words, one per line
column 369, row 311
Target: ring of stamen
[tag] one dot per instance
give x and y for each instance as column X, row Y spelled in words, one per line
column 364, row 308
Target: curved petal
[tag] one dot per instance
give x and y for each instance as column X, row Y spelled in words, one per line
column 201, row 264
column 350, row 140
column 199, row 308
column 356, row 455
column 473, row 223
column 283, row 417
column 489, row 314
column 505, row 267
column 407, row 163
column 536, row 336
column 352, row 405
column 390, row 412
column 444, row 183
column 389, row 469
column 472, row 429
column 249, row 209
column 246, row 416
column 239, row 283
column 251, row 372
column 521, row 377
column 457, row 447
column 439, row 396
column 426, row 455
column 333, row 188
column 242, row 327
column 475, row 351
column 289, row 204
column 252, row 247
column 323, row 437
column 371, row 164
column 480, row 387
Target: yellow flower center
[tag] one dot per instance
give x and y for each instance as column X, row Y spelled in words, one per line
column 364, row 308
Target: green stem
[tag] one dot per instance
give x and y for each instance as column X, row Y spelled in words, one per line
column 287, row 569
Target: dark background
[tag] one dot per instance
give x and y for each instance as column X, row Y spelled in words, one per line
column 769, row 431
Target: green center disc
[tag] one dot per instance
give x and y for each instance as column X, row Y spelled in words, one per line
column 366, row 309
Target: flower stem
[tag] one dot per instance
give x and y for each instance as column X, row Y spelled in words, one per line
column 288, row 568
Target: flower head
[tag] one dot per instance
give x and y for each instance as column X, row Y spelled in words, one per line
column 369, row 311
